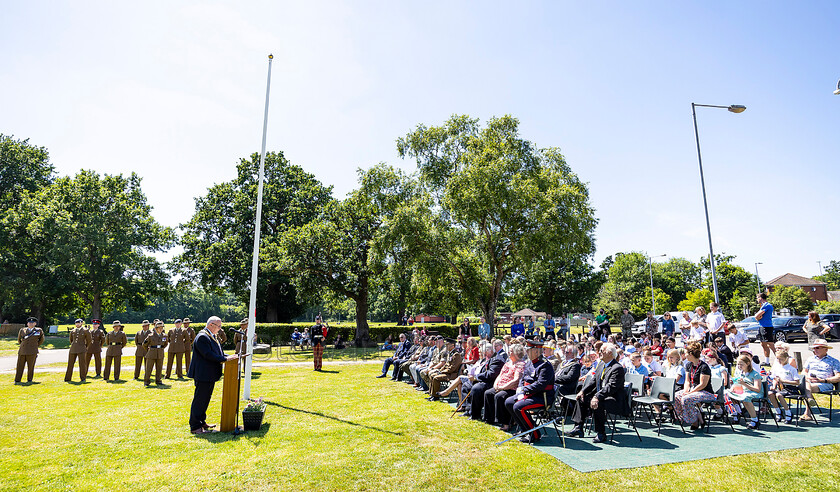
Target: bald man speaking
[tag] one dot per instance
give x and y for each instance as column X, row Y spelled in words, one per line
column 205, row 369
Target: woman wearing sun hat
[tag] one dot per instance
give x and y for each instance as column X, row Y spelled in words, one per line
column 115, row 340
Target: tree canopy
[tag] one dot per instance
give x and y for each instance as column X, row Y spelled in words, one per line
column 490, row 203
column 219, row 239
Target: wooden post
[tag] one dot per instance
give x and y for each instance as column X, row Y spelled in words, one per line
column 798, row 357
column 230, row 396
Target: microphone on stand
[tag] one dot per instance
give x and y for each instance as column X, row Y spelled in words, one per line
column 234, row 330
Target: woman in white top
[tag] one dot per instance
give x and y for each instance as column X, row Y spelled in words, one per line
column 783, row 376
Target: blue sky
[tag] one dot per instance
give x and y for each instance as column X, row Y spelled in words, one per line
column 174, row 91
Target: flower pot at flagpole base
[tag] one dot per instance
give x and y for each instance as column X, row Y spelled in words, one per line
column 253, row 413
column 252, row 420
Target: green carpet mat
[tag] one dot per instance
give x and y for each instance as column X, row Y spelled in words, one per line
column 672, row 446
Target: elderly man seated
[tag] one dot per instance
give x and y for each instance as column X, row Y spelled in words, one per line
column 423, row 352
column 568, row 372
column 447, row 372
column 399, row 361
column 821, row 371
column 437, row 361
column 402, row 350
column 536, row 388
column 484, row 380
column 601, row 394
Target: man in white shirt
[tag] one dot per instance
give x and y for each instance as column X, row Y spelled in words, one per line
column 714, row 322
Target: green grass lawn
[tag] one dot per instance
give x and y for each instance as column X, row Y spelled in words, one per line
column 341, row 429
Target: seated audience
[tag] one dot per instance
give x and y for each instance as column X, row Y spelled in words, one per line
column 504, row 386
column 485, row 378
column 535, row 391
column 697, row 388
column 672, row 368
column 821, row 371
column 746, row 385
column 783, row 381
column 653, row 366
column 603, row 393
column 568, row 372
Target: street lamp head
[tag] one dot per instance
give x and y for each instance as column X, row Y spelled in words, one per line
column 837, row 92
column 736, row 108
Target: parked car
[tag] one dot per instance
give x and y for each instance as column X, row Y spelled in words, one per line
column 833, row 322
column 751, row 331
column 745, row 322
column 789, row 328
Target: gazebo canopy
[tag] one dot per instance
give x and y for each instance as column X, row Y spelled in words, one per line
column 529, row 312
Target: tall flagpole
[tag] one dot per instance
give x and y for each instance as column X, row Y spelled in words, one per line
column 252, row 306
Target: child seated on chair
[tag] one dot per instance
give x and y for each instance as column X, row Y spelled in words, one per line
column 746, row 386
column 784, row 380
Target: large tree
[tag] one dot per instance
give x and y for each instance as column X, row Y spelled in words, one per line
column 790, row 297
column 219, row 239
column 93, row 235
column 24, row 286
column 337, row 251
column 490, row 203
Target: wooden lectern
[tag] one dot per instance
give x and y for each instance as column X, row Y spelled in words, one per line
column 230, row 396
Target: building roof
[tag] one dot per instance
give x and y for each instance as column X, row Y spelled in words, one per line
column 794, row 280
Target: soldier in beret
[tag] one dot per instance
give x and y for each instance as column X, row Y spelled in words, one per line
column 140, row 351
column 190, row 340
column 240, row 341
column 177, row 347
column 115, row 341
column 79, row 341
column 97, row 336
column 29, row 338
column 536, row 388
column 155, row 344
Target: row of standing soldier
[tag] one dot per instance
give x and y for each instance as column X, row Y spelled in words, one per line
column 86, row 344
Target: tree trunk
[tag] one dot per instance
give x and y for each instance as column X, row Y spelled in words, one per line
column 490, row 315
column 362, row 329
column 97, row 305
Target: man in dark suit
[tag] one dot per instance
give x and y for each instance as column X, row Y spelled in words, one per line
column 603, row 393
column 400, row 353
column 485, row 380
column 205, row 369
column 568, row 372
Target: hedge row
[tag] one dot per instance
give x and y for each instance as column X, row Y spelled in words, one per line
column 281, row 333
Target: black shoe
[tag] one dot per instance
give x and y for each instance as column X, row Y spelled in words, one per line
column 600, row 438
column 380, row 376
column 575, row 432
column 529, row 439
column 433, row 398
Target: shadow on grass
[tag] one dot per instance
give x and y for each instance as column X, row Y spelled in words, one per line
column 116, row 381
column 78, row 383
column 319, row 414
column 28, row 383
column 329, row 372
column 216, row 437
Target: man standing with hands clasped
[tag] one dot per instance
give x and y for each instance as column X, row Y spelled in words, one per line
column 205, row 369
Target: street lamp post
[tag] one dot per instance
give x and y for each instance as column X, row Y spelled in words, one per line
column 650, row 268
column 757, row 281
column 732, row 108
column 819, row 263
